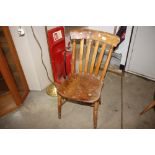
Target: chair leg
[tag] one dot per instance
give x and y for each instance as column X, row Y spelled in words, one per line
column 95, row 113
column 100, row 100
column 59, row 106
column 148, row 107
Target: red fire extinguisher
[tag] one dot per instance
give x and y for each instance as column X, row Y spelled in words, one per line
column 60, row 58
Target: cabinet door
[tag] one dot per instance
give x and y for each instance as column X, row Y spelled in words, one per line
column 10, row 67
column 142, row 55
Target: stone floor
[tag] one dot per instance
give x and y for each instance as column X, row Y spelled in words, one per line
column 40, row 110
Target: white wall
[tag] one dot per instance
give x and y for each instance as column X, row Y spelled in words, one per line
column 30, row 57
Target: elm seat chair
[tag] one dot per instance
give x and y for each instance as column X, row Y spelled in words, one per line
column 85, row 84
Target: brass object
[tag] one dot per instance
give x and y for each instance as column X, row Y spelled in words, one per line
column 51, row 90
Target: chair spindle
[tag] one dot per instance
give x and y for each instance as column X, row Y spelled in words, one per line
column 100, row 59
column 94, row 56
column 106, row 64
column 87, row 56
column 81, row 55
column 73, row 58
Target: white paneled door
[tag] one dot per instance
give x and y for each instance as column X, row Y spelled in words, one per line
column 141, row 59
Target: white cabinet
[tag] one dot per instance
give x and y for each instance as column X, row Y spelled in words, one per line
column 141, row 59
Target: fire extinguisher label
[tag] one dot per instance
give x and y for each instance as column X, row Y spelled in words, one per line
column 57, row 35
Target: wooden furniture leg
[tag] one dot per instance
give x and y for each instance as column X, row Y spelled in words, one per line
column 100, row 100
column 148, row 107
column 59, row 106
column 95, row 113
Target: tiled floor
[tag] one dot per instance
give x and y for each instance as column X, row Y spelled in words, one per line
column 40, row 110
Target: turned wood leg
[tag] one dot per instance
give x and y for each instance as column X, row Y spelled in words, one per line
column 148, row 107
column 100, row 100
column 95, row 113
column 59, row 106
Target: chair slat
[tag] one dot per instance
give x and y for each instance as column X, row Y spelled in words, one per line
column 94, row 57
column 73, row 57
column 87, row 56
column 106, row 64
column 81, row 55
column 100, row 58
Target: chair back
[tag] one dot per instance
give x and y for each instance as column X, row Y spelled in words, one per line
column 91, row 43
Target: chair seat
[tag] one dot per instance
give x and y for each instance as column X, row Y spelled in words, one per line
column 79, row 87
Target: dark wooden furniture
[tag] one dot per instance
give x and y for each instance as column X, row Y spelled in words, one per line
column 85, row 84
column 11, row 72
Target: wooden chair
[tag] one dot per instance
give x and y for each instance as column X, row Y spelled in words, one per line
column 85, row 85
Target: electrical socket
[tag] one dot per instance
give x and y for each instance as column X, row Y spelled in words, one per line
column 21, row 31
